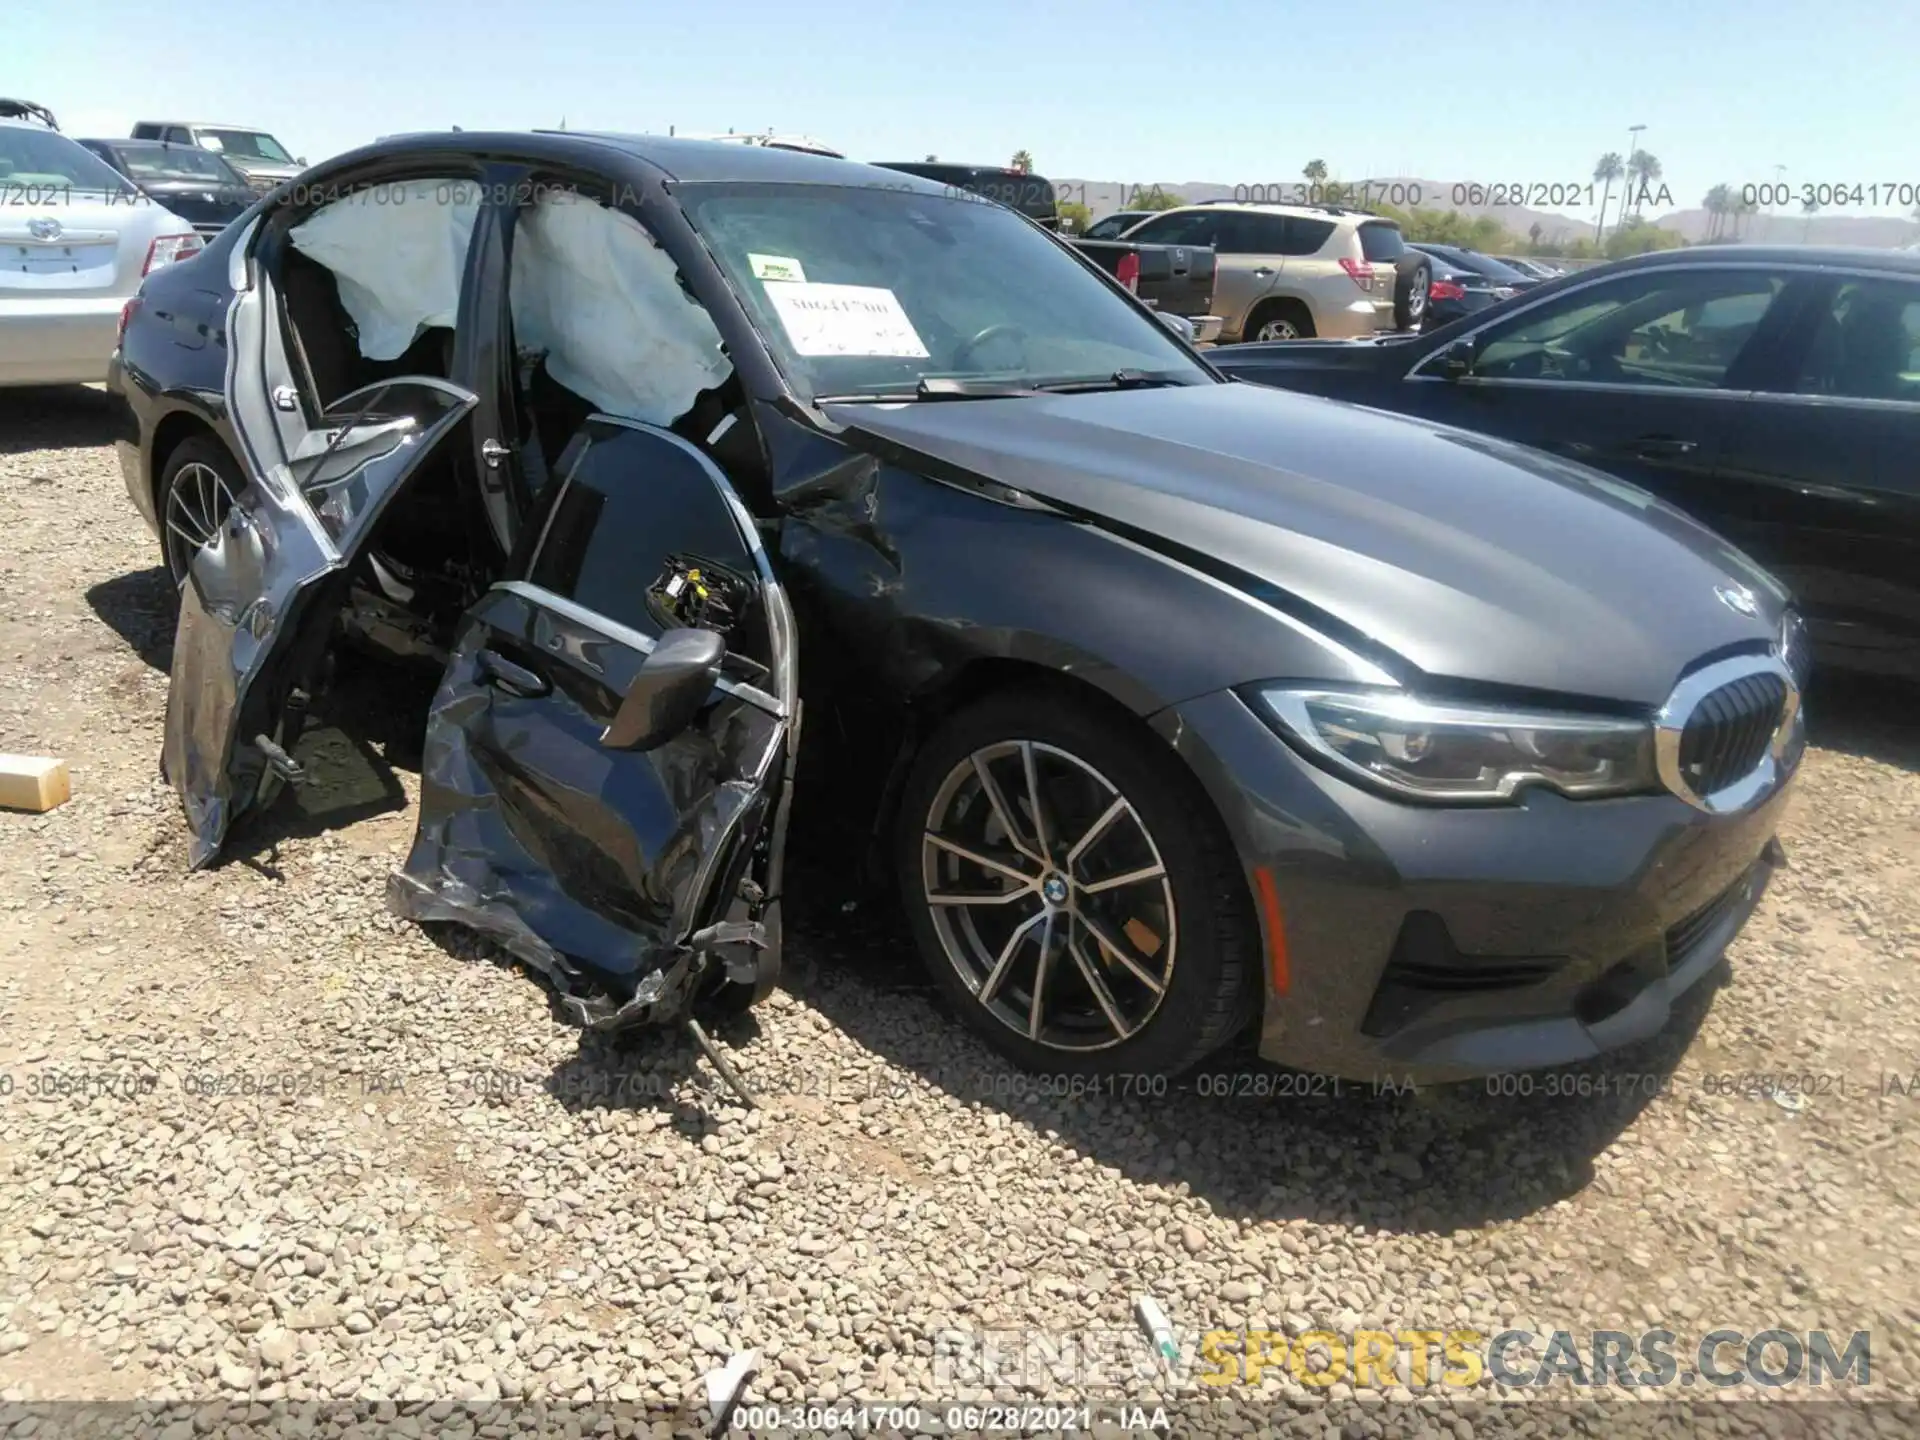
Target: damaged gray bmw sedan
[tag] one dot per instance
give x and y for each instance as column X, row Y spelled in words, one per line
column 1168, row 706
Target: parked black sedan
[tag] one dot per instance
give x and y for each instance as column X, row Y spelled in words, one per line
column 1772, row 393
column 1495, row 273
column 1166, row 702
column 197, row 185
column 1453, row 292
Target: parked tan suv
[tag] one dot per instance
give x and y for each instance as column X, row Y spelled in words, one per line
column 1286, row 272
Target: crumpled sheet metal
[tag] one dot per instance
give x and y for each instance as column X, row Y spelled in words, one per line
column 477, row 862
column 239, row 589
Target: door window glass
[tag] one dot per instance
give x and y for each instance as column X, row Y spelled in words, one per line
column 1868, row 344
column 338, row 475
column 1670, row 328
column 1195, row 227
column 642, row 533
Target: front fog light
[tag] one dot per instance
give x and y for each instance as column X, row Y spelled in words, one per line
column 1437, row 750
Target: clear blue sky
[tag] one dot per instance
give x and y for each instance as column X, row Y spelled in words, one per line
column 1230, row 91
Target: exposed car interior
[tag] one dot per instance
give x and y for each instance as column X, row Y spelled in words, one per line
column 369, row 288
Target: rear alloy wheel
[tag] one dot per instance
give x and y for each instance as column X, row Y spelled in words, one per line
column 197, row 489
column 1286, row 322
column 1413, row 276
column 1068, row 893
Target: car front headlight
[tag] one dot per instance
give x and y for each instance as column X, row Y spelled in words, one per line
column 1444, row 751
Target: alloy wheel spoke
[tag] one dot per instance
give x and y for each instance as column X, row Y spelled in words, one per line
column 985, row 861
column 990, row 986
column 1102, row 996
column 1030, row 765
column 1036, row 1008
column 1096, row 831
column 196, row 541
column 1004, row 897
column 1117, row 946
column 990, row 787
column 1132, row 877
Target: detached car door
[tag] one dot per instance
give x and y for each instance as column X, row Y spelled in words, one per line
column 257, row 609
column 609, row 754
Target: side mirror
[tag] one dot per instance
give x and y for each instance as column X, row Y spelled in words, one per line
column 1179, row 324
column 667, row 691
column 1456, row 361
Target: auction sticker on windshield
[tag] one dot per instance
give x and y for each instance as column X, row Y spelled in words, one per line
column 844, row 320
column 775, row 267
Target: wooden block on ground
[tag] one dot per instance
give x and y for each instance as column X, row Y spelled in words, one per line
column 33, row 782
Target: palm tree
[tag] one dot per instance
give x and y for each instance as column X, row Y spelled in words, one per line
column 1641, row 168
column 1607, row 168
column 1808, row 208
column 1719, row 204
column 1534, row 232
column 1023, row 162
column 1314, row 170
column 1744, row 208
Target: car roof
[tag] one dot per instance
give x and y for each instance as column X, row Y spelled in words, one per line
column 704, row 161
column 209, row 125
column 122, row 142
column 1305, row 212
column 1850, row 257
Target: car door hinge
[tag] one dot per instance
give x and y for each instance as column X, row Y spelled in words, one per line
column 278, row 761
column 730, row 932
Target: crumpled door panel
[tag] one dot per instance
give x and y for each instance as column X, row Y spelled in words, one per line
column 256, row 591
column 589, row 864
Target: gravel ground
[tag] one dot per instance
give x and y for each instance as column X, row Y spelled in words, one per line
column 444, row 1194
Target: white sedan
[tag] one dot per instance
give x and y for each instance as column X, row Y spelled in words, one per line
column 76, row 240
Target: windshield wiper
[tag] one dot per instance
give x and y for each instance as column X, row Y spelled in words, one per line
column 1118, row 380
column 936, row 387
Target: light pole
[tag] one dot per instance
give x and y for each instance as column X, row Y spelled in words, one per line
column 1633, row 148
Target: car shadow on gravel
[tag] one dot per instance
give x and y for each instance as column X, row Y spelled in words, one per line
column 1867, row 716
column 363, row 731
column 56, row 417
column 141, row 608
column 1256, row 1141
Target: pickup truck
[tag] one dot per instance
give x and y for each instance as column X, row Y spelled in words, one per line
column 1173, row 279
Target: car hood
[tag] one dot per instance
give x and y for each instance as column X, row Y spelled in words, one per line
column 1463, row 556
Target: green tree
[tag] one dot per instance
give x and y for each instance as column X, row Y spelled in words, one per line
column 1606, row 169
column 1075, row 216
column 1151, row 199
column 931, row 159
column 1315, row 171
column 1534, row 232
column 1022, row 161
column 1720, row 206
column 1634, row 236
column 1642, row 170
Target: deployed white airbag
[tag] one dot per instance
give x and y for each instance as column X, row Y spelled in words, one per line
column 592, row 289
column 397, row 252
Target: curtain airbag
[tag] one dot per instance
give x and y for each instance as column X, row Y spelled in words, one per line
column 592, row 289
column 397, row 252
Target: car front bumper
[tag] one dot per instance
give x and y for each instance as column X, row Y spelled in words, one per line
column 1423, row 944
column 57, row 340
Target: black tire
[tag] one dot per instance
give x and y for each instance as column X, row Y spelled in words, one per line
column 1211, row 944
column 1413, row 273
column 209, row 479
column 1279, row 315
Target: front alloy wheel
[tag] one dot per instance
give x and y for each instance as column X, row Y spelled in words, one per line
column 1071, row 890
column 1049, row 896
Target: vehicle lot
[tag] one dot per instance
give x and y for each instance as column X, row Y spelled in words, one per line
column 445, row 1194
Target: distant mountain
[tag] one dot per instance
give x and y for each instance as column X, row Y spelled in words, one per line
column 1103, row 197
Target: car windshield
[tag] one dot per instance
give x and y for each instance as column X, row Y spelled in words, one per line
column 175, row 162
column 31, row 157
column 248, row 144
column 865, row 292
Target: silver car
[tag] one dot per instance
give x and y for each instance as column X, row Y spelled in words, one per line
column 76, row 241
